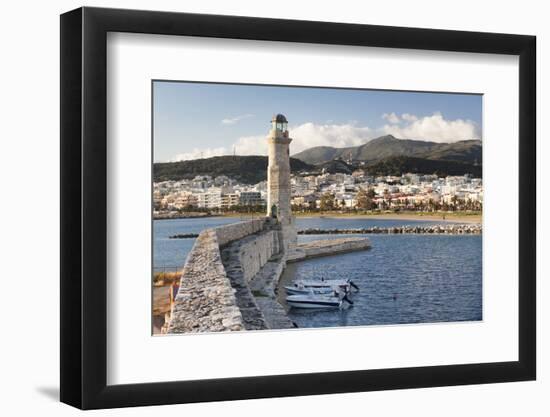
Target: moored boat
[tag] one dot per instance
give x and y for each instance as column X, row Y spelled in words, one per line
column 297, row 290
column 313, row 301
column 344, row 284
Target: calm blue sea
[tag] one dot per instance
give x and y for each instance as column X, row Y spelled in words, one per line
column 402, row 279
column 171, row 253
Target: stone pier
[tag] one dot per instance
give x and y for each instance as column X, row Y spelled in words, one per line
column 218, row 288
column 231, row 275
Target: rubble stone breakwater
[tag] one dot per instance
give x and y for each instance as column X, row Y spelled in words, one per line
column 445, row 229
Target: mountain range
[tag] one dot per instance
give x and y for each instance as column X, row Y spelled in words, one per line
column 466, row 151
column 385, row 155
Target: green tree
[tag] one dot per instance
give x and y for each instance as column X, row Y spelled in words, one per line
column 364, row 200
column 327, row 201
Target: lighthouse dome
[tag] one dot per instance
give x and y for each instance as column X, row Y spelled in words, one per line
column 279, row 118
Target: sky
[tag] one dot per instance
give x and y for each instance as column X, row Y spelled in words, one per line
column 200, row 120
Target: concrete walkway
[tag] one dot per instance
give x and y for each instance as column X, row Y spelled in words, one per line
column 327, row 247
column 263, row 286
column 246, row 302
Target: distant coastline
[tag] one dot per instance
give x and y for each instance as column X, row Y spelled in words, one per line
column 453, row 217
column 447, row 217
column 463, row 217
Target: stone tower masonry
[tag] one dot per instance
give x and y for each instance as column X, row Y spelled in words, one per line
column 278, row 179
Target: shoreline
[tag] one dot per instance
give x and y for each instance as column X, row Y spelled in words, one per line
column 449, row 217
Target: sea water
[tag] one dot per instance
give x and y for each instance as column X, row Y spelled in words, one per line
column 402, row 278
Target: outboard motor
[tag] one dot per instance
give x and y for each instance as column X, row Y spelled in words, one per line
column 346, row 298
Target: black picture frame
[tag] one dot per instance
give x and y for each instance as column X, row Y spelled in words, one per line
column 84, row 207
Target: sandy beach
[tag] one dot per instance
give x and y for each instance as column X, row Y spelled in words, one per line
column 459, row 217
column 447, row 217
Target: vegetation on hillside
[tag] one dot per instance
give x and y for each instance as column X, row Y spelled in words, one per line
column 404, row 164
column 245, row 169
column 382, row 156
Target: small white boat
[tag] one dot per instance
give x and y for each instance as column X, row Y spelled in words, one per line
column 344, row 284
column 300, row 290
column 333, row 300
column 313, row 301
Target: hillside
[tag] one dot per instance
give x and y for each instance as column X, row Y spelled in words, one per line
column 318, row 154
column 468, row 151
column 246, row 169
column 400, row 164
column 385, row 155
column 335, row 166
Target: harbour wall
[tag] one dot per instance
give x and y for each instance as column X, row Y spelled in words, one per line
column 209, row 299
column 230, row 277
column 236, row 231
column 253, row 252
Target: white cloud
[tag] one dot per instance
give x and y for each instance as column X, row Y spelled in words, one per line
column 307, row 135
column 236, row 119
column 409, row 117
column 391, row 117
column 251, row 145
column 199, row 154
column 435, row 128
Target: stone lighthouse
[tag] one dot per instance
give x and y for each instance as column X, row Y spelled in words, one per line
column 278, row 179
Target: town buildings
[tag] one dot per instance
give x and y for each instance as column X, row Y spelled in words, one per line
column 407, row 192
